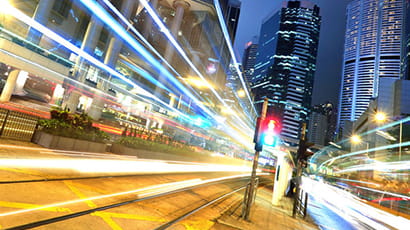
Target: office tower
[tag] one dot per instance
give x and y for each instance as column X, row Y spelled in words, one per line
column 372, row 51
column 248, row 61
column 286, row 63
column 317, row 128
column 231, row 10
column 322, row 124
column 405, row 68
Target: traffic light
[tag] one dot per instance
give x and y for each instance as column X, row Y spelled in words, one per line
column 303, row 152
column 270, row 131
column 266, row 133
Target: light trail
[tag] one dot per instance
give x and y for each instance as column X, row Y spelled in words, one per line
column 228, row 43
column 110, row 163
column 117, row 166
column 141, row 192
column 171, row 38
column 385, row 192
column 359, row 181
column 106, row 18
column 365, row 151
column 146, row 75
column 381, row 128
column 121, row 32
column 57, row 38
column 352, row 208
column 132, row 28
column 378, row 166
column 170, row 185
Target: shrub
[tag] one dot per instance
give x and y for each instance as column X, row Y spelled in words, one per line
column 138, row 143
column 78, row 126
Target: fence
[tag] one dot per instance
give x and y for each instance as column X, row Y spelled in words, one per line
column 17, row 125
column 301, row 202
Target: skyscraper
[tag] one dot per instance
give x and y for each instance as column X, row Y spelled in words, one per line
column 286, row 63
column 405, row 68
column 248, row 60
column 322, row 124
column 372, row 51
column 231, row 10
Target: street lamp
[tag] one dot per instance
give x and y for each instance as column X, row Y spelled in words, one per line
column 380, row 117
column 356, row 139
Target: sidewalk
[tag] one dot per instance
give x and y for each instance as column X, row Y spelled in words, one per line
column 264, row 216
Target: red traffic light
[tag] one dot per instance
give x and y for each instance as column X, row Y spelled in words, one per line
column 270, row 131
column 271, row 125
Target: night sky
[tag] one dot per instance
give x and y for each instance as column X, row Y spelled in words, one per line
column 330, row 55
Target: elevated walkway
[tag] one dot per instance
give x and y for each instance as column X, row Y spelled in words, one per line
column 26, row 56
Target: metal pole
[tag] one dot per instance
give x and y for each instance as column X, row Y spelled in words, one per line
column 400, row 139
column 296, row 202
column 367, row 148
column 249, row 196
column 305, row 207
column 4, row 122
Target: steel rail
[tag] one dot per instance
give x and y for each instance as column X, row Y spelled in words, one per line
column 89, row 211
column 98, row 177
column 168, row 224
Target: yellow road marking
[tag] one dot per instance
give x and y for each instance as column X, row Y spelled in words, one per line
column 129, row 216
column 32, row 206
column 198, row 225
column 109, row 221
column 87, row 187
column 80, row 194
column 107, row 216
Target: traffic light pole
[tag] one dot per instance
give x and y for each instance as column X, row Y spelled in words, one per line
column 302, row 140
column 248, row 198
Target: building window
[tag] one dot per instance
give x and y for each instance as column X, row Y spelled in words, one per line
column 62, row 7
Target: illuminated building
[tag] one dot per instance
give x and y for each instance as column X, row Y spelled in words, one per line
column 322, row 124
column 231, row 10
column 248, row 60
column 90, row 56
column 286, row 63
column 373, row 42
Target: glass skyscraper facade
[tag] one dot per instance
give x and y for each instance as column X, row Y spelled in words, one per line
column 373, row 43
column 286, row 63
column 248, row 60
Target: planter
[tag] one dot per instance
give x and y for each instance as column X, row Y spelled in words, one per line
column 65, row 143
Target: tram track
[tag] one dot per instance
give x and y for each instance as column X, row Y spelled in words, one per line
column 235, row 185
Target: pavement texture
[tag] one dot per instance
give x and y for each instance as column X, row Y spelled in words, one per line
column 264, row 215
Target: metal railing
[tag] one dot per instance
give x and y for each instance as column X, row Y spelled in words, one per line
column 17, row 125
column 300, row 205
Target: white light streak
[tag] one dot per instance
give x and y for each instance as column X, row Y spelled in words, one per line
column 378, row 166
column 141, row 192
column 44, row 30
column 228, row 43
column 352, row 208
column 160, row 186
column 171, row 38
